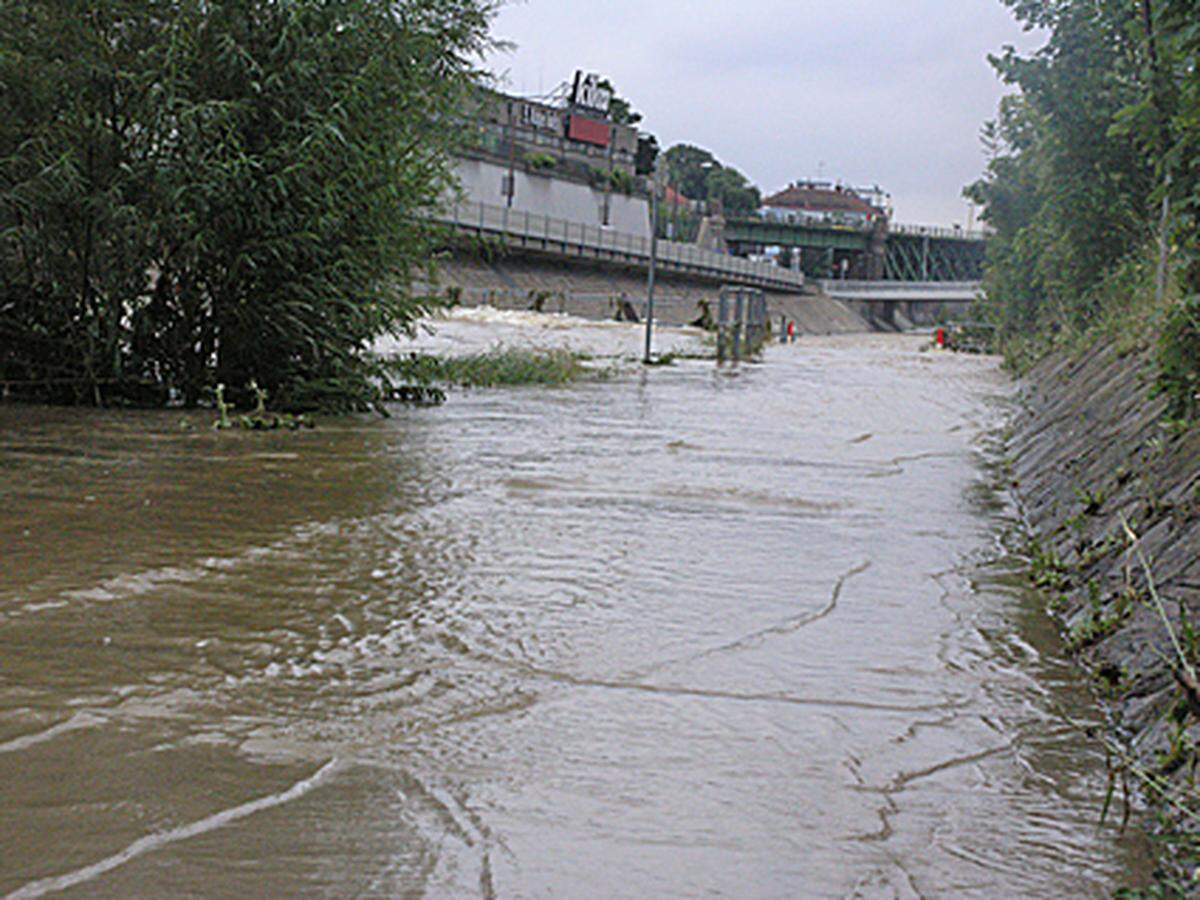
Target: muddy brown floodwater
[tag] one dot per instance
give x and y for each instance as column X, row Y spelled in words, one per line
column 681, row 633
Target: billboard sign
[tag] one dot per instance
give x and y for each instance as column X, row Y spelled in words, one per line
column 540, row 118
column 589, row 131
column 588, row 93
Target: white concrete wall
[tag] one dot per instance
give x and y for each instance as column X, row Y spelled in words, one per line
column 546, row 196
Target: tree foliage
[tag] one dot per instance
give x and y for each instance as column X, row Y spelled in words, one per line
column 688, row 167
column 699, row 175
column 620, row 110
column 1066, row 198
column 196, row 192
column 737, row 196
column 1177, row 107
column 1105, row 123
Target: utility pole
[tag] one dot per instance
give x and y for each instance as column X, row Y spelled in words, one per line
column 511, row 188
column 608, row 182
column 653, row 263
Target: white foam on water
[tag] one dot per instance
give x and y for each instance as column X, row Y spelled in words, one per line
column 474, row 329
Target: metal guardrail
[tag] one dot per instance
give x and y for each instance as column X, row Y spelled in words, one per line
column 937, row 231
column 579, row 239
column 930, row 291
column 949, row 287
column 894, row 228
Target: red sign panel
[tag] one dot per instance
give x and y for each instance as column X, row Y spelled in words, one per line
column 588, row 130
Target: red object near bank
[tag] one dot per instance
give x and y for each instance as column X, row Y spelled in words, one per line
column 589, row 131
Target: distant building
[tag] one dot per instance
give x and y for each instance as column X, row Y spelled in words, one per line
column 565, row 159
column 578, row 136
column 821, row 202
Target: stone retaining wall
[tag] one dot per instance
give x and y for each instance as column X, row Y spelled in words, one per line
column 1089, row 453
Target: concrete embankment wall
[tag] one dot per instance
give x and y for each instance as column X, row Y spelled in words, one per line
column 545, row 195
column 1088, row 450
column 596, row 290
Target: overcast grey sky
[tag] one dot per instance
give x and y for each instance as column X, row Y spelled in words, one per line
column 867, row 91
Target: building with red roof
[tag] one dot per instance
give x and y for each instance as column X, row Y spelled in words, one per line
column 822, row 202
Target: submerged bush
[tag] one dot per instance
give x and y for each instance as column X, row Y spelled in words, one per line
column 196, row 192
column 498, row 367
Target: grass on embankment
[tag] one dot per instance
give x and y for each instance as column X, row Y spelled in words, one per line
column 1127, row 312
column 501, row 366
column 1122, row 311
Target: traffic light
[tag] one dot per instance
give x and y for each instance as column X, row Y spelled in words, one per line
column 647, row 153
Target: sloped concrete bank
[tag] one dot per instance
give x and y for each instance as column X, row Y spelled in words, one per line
column 1111, row 496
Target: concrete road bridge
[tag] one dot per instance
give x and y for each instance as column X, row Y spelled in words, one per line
column 902, row 253
column 563, row 238
column 920, row 302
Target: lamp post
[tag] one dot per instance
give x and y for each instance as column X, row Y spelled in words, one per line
column 653, row 264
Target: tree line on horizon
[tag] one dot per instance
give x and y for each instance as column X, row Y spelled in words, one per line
column 1093, row 184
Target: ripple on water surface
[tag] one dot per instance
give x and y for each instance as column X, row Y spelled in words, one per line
column 718, row 632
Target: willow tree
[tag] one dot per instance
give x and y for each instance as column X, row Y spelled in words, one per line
column 196, row 192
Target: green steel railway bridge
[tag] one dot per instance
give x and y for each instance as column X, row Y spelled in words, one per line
column 900, row 253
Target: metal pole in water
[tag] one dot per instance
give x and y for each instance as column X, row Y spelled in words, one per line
column 739, row 314
column 653, row 265
column 722, row 318
column 751, row 324
column 760, row 318
column 747, row 323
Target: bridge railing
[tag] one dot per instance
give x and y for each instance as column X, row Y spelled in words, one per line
column 937, row 231
column 894, row 228
column 579, row 239
column 884, row 287
column 916, row 291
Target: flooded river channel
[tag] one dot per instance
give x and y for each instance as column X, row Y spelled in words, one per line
column 683, row 632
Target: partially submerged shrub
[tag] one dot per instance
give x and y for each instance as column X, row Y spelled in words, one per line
column 498, row 367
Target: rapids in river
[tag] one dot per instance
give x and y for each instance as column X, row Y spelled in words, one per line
column 749, row 632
